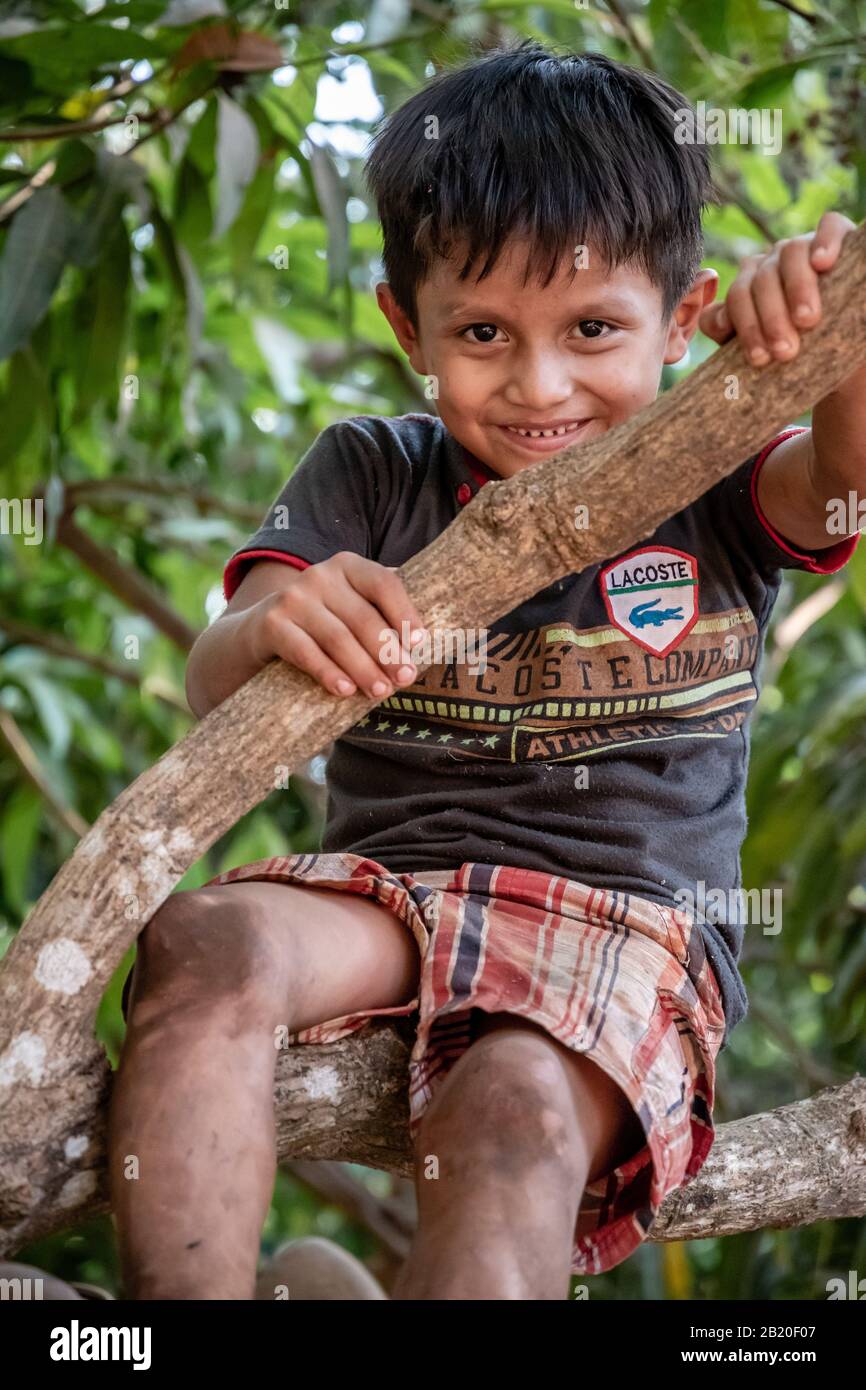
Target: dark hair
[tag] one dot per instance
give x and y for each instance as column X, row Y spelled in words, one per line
column 565, row 149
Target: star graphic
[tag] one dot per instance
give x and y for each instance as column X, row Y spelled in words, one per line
column 490, row 742
column 383, row 725
column 401, row 729
column 467, row 740
column 423, row 733
column 364, row 721
column 445, row 738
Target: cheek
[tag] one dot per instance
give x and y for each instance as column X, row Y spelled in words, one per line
column 632, row 377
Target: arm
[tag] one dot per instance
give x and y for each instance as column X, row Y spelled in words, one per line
column 222, row 657
column 804, row 473
column 822, row 465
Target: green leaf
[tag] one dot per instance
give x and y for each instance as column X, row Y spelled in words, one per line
column 26, row 402
column 237, row 159
column 37, row 248
column 332, row 201
column 117, row 181
column 101, row 320
column 48, row 701
column 201, row 148
column 855, row 571
column 245, row 233
column 192, row 219
column 63, row 61
column 18, row 831
column 15, row 84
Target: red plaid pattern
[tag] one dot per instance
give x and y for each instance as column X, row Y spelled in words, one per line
column 609, row 974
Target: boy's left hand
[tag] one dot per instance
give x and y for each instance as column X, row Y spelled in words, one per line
column 775, row 293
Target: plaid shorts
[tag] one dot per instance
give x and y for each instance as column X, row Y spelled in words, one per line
column 606, row 973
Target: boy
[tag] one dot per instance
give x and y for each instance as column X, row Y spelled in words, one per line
column 505, row 841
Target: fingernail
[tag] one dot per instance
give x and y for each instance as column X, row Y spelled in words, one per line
column 417, row 634
column 406, row 674
column 759, row 356
column 802, row 313
column 345, row 687
column 380, row 688
column 782, row 345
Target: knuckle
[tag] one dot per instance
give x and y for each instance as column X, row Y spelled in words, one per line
column 286, row 604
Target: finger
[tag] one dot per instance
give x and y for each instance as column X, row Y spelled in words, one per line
column 744, row 317
column 768, row 294
column 800, row 282
column 827, row 241
column 339, row 643
column 715, row 322
column 384, row 589
column 297, row 647
column 382, row 642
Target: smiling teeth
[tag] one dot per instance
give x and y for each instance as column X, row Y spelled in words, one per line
column 542, row 434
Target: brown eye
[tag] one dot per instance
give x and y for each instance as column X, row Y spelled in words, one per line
column 488, row 329
column 591, row 328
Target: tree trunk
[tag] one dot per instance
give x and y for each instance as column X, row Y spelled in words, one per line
column 515, row 538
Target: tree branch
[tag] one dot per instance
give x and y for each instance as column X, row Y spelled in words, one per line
column 129, row 586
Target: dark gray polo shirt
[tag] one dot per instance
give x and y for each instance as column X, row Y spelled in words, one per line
column 607, row 740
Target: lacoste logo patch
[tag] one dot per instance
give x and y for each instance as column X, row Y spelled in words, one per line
column 651, row 595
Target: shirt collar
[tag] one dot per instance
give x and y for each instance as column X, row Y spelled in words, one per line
column 465, row 467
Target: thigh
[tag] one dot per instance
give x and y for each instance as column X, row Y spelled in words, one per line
column 331, row 952
column 606, row 1117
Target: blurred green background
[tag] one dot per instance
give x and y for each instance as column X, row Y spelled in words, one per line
column 186, row 261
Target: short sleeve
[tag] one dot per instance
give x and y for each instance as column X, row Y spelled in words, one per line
column 737, row 518
column 328, row 504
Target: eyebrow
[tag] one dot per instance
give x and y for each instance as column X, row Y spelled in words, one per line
column 597, row 307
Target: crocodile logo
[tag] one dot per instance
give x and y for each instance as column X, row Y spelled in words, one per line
column 651, row 594
column 642, row 617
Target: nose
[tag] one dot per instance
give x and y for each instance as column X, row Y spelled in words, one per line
column 540, row 382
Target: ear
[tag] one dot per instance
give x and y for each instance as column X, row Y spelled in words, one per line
column 404, row 329
column 684, row 320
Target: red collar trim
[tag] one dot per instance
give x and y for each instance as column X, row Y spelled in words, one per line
column 480, row 472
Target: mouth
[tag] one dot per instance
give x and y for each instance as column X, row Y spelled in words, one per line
column 544, row 439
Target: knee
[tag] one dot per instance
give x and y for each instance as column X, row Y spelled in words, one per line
column 505, row 1103
column 207, row 943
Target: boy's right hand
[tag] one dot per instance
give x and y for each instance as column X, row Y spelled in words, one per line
column 332, row 621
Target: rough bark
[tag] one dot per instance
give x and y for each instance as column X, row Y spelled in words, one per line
column 516, row 537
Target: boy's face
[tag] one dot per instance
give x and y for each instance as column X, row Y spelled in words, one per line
column 583, row 354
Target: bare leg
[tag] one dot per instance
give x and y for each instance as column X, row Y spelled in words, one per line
column 192, row 1155
column 518, row 1128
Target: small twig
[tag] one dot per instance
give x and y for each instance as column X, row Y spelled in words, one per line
column 351, row 49
column 35, row 773
column 631, row 34
column 755, row 217
column 335, row 1184
column 128, row 585
column 96, row 121
column 58, row 646
column 810, row 1069
column 42, row 175
column 57, row 132
column 794, row 9
column 82, row 493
